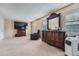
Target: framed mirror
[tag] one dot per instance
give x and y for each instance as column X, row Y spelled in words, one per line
column 53, row 22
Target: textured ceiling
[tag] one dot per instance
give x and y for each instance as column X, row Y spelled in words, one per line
column 27, row 11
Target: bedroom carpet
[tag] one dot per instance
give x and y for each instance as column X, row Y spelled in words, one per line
column 23, row 46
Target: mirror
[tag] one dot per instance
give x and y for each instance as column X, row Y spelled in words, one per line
column 53, row 22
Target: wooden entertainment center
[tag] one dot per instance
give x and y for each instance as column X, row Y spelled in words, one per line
column 20, row 33
column 20, row 28
column 54, row 36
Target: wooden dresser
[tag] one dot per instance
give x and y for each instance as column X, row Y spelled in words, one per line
column 54, row 38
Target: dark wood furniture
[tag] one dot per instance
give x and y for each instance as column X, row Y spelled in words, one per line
column 20, row 28
column 20, row 33
column 54, row 38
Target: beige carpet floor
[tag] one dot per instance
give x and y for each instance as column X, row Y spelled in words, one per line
column 23, row 46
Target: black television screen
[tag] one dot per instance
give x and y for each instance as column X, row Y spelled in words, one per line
column 20, row 25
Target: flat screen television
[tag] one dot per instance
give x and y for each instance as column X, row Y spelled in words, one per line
column 20, row 25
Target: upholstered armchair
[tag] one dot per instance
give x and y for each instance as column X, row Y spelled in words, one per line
column 35, row 36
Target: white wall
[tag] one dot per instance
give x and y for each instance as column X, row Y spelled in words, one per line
column 38, row 23
column 9, row 28
column 66, row 11
column 1, row 28
column 28, row 29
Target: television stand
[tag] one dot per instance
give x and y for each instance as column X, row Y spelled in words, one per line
column 20, row 33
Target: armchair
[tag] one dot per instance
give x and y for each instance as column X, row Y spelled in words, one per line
column 35, row 36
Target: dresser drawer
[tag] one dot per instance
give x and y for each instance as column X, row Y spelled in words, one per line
column 55, row 38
